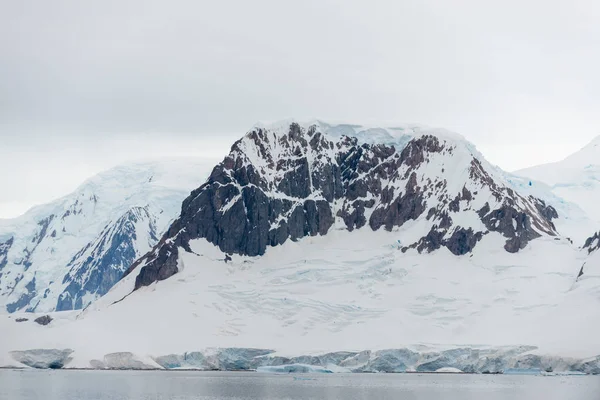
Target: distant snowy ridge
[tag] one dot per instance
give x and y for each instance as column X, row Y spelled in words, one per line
column 288, row 180
column 575, row 179
column 592, row 243
column 65, row 254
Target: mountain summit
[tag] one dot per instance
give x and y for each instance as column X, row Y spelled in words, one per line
column 289, row 180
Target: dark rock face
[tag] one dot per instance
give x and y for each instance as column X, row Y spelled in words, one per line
column 547, row 212
column 463, row 241
column 406, row 207
column 165, row 265
column 279, row 186
column 43, row 320
column 592, row 243
column 519, row 226
column 512, row 224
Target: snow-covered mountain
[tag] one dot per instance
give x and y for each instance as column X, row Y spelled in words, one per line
column 287, row 181
column 575, row 179
column 63, row 255
column 347, row 248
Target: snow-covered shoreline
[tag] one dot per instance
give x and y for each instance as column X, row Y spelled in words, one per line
column 506, row 360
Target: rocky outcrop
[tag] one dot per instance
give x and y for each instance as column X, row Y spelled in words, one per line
column 43, row 320
column 592, row 243
column 513, row 224
column 279, row 185
column 460, row 242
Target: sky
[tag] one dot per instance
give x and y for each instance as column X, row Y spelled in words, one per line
column 88, row 85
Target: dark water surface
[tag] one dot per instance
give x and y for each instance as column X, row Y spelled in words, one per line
column 171, row 385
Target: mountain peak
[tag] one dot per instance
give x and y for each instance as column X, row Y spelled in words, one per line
column 371, row 133
column 286, row 180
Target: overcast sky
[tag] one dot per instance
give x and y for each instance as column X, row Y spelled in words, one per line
column 86, row 85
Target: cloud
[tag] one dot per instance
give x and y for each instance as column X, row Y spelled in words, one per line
column 516, row 75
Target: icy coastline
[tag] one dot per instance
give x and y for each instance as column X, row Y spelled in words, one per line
column 503, row 360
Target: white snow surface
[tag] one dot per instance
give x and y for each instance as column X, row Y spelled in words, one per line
column 151, row 190
column 342, row 291
column 575, row 179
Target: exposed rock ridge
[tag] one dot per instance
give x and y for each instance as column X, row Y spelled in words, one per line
column 277, row 185
column 592, row 243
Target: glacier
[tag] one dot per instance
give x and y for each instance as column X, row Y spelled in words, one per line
column 346, row 300
column 65, row 254
column 486, row 360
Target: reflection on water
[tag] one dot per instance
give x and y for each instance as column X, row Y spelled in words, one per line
column 180, row 385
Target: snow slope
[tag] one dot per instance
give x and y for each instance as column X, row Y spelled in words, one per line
column 65, row 254
column 575, row 179
column 346, row 291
